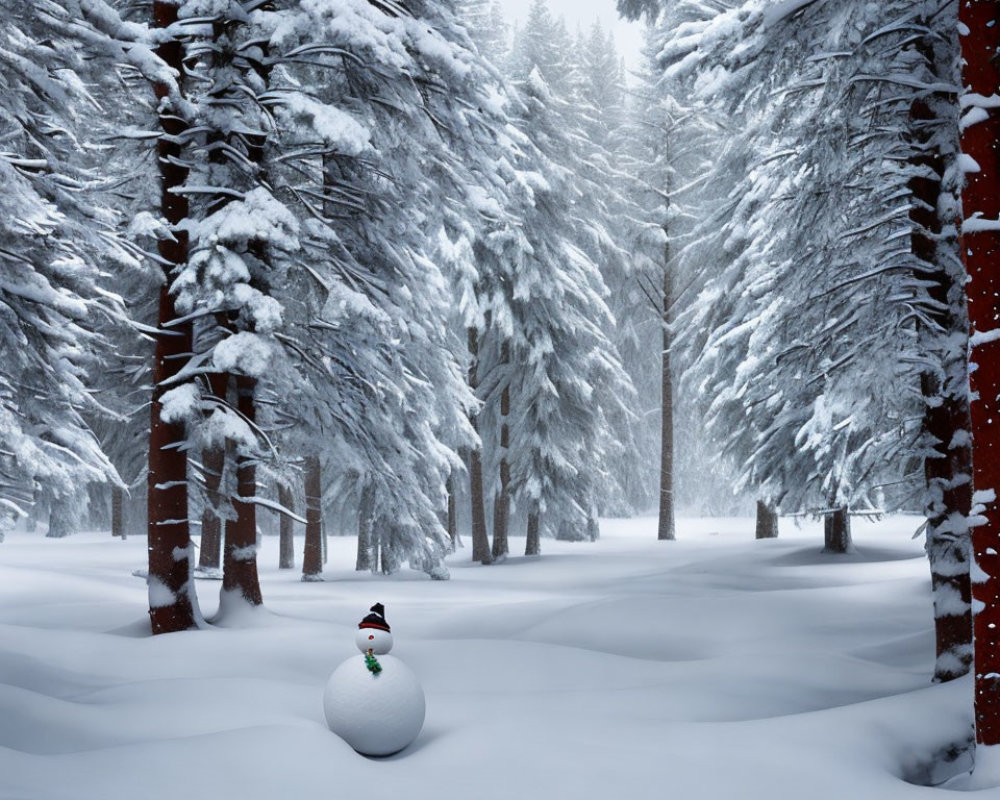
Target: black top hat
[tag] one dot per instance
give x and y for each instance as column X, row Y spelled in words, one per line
column 376, row 619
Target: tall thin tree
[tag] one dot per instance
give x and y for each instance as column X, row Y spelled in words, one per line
column 173, row 605
column 480, row 538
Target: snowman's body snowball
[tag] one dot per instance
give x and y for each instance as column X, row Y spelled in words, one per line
column 379, row 714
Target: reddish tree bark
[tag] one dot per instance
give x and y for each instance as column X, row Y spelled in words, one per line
column 312, row 557
column 981, row 252
column 948, row 467
column 173, row 605
column 239, row 563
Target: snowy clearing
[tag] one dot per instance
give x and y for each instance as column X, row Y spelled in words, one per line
column 711, row 667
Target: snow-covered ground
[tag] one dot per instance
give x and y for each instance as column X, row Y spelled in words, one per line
column 711, row 667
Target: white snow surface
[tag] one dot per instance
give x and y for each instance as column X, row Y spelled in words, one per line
column 711, row 667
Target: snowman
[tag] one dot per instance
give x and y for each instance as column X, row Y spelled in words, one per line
column 374, row 702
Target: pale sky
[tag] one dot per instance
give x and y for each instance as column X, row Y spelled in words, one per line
column 628, row 35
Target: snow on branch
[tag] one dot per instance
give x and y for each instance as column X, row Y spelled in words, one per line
column 979, row 338
column 978, row 224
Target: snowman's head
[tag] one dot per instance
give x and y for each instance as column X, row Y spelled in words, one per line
column 374, row 639
column 374, row 632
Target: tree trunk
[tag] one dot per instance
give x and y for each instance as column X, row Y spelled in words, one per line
column 501, row 502
column 665, row 530
column 173, row 604
column 837, row 532
column 946, row 415
column 571, row 530
column 980, row 245
column 366, row 508
column 531, row 542
column 286, row 529
column 452, row 514
column 62, row 519
column 213, row 463
column 312, row 556
column 118, row 512
column 593, row 525
column 767, row 521
column 239, row 564
column 480, row 538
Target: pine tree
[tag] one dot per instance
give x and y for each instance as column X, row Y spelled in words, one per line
column 487, row 28
column 173, row 603
column 543, row 44
column 791, row 332
column 615, row 177
column 553, row 316
column 56, row 239
column 935, row 180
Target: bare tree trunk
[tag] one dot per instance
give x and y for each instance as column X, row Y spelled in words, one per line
column 286, row 529
column 767, row 521
column 532, row 546
column 366, row 508
column 239, row 564
column 837, row 532
column 312, row 557
column 593, row 525
column 452, row 514
column 980, row 245
column 213, row 463
column 118, row 512
column 62, row 519
column 665, row 529
column 480, row 538
column 501, row 502
column 173, row 604
column 947, row 419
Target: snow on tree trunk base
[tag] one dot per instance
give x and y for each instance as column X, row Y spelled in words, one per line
column 985, row 772
column 235, row 612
